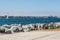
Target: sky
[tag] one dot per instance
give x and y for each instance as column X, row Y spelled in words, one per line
column 30, row 7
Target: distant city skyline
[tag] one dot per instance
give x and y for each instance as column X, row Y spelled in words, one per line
column 30, row 7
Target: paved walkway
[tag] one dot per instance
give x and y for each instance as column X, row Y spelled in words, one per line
column 31, row 36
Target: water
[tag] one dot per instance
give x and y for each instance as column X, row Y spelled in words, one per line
column 28, row 20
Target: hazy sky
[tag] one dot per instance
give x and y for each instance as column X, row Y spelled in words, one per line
column 30, row 7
